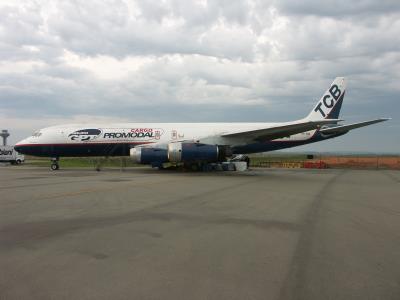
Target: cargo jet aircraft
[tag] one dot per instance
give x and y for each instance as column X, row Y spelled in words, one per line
column 191, row 143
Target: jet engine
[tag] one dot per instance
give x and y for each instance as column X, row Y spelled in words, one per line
column 197, row 152
column 149, row 155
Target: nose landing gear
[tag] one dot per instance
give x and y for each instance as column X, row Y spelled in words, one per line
column 54, row 164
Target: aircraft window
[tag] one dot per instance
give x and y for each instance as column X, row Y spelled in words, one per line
column 37, row 134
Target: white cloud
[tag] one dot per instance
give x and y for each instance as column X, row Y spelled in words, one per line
column 193, row 60
column 105, row 66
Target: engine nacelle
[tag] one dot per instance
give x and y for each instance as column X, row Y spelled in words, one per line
column 149, row 155
column 195, row 152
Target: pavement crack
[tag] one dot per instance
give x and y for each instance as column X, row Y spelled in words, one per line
column 295, row 284
column 391, row 176
column 32, row 232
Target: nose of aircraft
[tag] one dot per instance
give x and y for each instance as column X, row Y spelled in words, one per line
column 21, row 147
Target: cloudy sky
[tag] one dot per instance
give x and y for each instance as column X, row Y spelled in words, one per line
column 198, row 61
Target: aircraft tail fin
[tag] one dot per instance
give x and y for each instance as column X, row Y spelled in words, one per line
column 328, row 107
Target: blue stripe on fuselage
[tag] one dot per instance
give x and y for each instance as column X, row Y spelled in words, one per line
column 114, row 149
column 277, row 145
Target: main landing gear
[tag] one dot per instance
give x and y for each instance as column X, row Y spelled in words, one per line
column 54, row 164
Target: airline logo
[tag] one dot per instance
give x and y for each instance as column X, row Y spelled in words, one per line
column 85, row 135
column 143, row 134
column 328, row 101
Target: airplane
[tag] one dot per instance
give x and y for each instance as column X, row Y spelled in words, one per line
column 191, row 144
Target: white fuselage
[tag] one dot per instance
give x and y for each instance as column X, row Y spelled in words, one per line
column 157, row 134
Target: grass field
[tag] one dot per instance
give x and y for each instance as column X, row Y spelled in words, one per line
column 280, row 160
column 117, row 162
column 84, row 162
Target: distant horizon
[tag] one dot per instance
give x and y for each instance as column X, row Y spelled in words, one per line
column 293, row 151
column 199, row 61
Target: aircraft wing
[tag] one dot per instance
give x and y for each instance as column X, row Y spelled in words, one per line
column 280, row 131
column 345, row 128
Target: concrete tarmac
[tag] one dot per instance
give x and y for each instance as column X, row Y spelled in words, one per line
column 148, row 234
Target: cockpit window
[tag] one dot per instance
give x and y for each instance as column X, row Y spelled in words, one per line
column 37, row 134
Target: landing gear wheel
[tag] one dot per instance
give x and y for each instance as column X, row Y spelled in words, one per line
column 54, row 164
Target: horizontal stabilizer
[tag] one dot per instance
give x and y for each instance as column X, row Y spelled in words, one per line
column 346, row 128
column 281, row 131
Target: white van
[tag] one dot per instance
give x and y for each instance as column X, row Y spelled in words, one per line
column 8, row 154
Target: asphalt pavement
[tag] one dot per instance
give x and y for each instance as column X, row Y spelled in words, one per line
column 148, row 234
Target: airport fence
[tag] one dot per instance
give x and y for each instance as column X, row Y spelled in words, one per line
column 328, row 161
